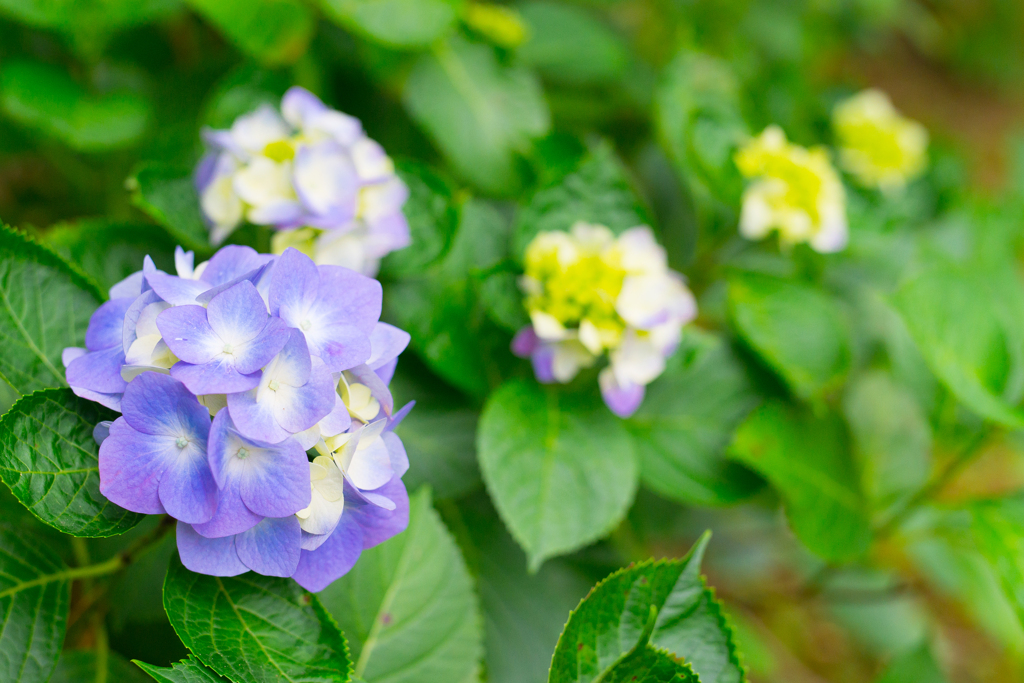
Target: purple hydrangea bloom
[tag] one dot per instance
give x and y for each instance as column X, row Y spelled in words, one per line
column 154, row 459
column 226, row 374
column 311, row 173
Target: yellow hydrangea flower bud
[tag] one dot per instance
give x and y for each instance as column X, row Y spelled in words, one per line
column 796, row 191
column 878, row 146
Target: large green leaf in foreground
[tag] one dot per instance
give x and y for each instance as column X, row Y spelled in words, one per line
column 51, row 462
column 408, row 606
column 45, row 306
column 560, row 468
column 34, row 596
column 186, row 671
column 255, row 629
column 615, row 617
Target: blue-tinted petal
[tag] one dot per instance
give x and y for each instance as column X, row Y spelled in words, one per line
column 332, row 559
column 216, row 377
column 131, row 465
column 105, row 325
column 271, row 547
column 187, row 332
column 212, row 556
column 187, row 489
column 99, row 371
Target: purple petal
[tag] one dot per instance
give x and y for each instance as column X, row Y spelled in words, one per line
column 299, row 106
column 293, row 286
column 333, row 559
column 253, row 276
column 158, row 404
column 204, row 172
column 293, row 364
column 525, row 342
column 101, row 431
column 543, row 359
column 232, row 262
column 172, row 289
column 131, row 465
column 386, row 343
column 231, row 517
column 338, row 420
column 387, row 233
column 211, row 556
column 217, row 377
column 256, row 419
column 131, row 317
column 99, row 371
column 325, row 181
column 399, row 415
column 112, row 401
column 397, row 454
column 187, row 489
column 386, row 372
column 299, row 408
column 347, row 298
column 188, row 333
column 237, row 314
column 105, row 325
column 253, row 355
column 71, row 353
column 621, row 400
column 377, row 523
column 131, row 286
column 271, row 547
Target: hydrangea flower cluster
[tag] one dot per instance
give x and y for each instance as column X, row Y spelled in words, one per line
column 225, row 375
column 590, row 293
column 311, row 173
column 796, row 192
column 878, row 146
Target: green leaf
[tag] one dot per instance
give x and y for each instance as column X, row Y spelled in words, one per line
column 77, row 17
column 481, row 114
column 665, row 602
column 169, row 197
column 396, row 23
column 686, row 421
column 597, row 191
column 272, row 31
column 110, row 251
column 998, row 530
column 439, row 435
column 433, row 220
column 255, row 629
column 186, row 671
column 51, row 462
column 697, row 113
column 79, row 666
column 891, row 437
column 807, row 459
column 916, row 666
column 956, row 324
column 560, row 468
column 646, row 665
column 35, row 330
column 523, row 612
column 799, row 331
column 440, row 308
column 408, row 606
column 44, row 98
column 567, row 44
column 34, row 597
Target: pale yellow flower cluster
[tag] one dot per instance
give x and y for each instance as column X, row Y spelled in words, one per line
column 878, row 146
column 797, row 192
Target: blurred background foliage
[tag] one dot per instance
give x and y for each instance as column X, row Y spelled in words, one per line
column 896, row 367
